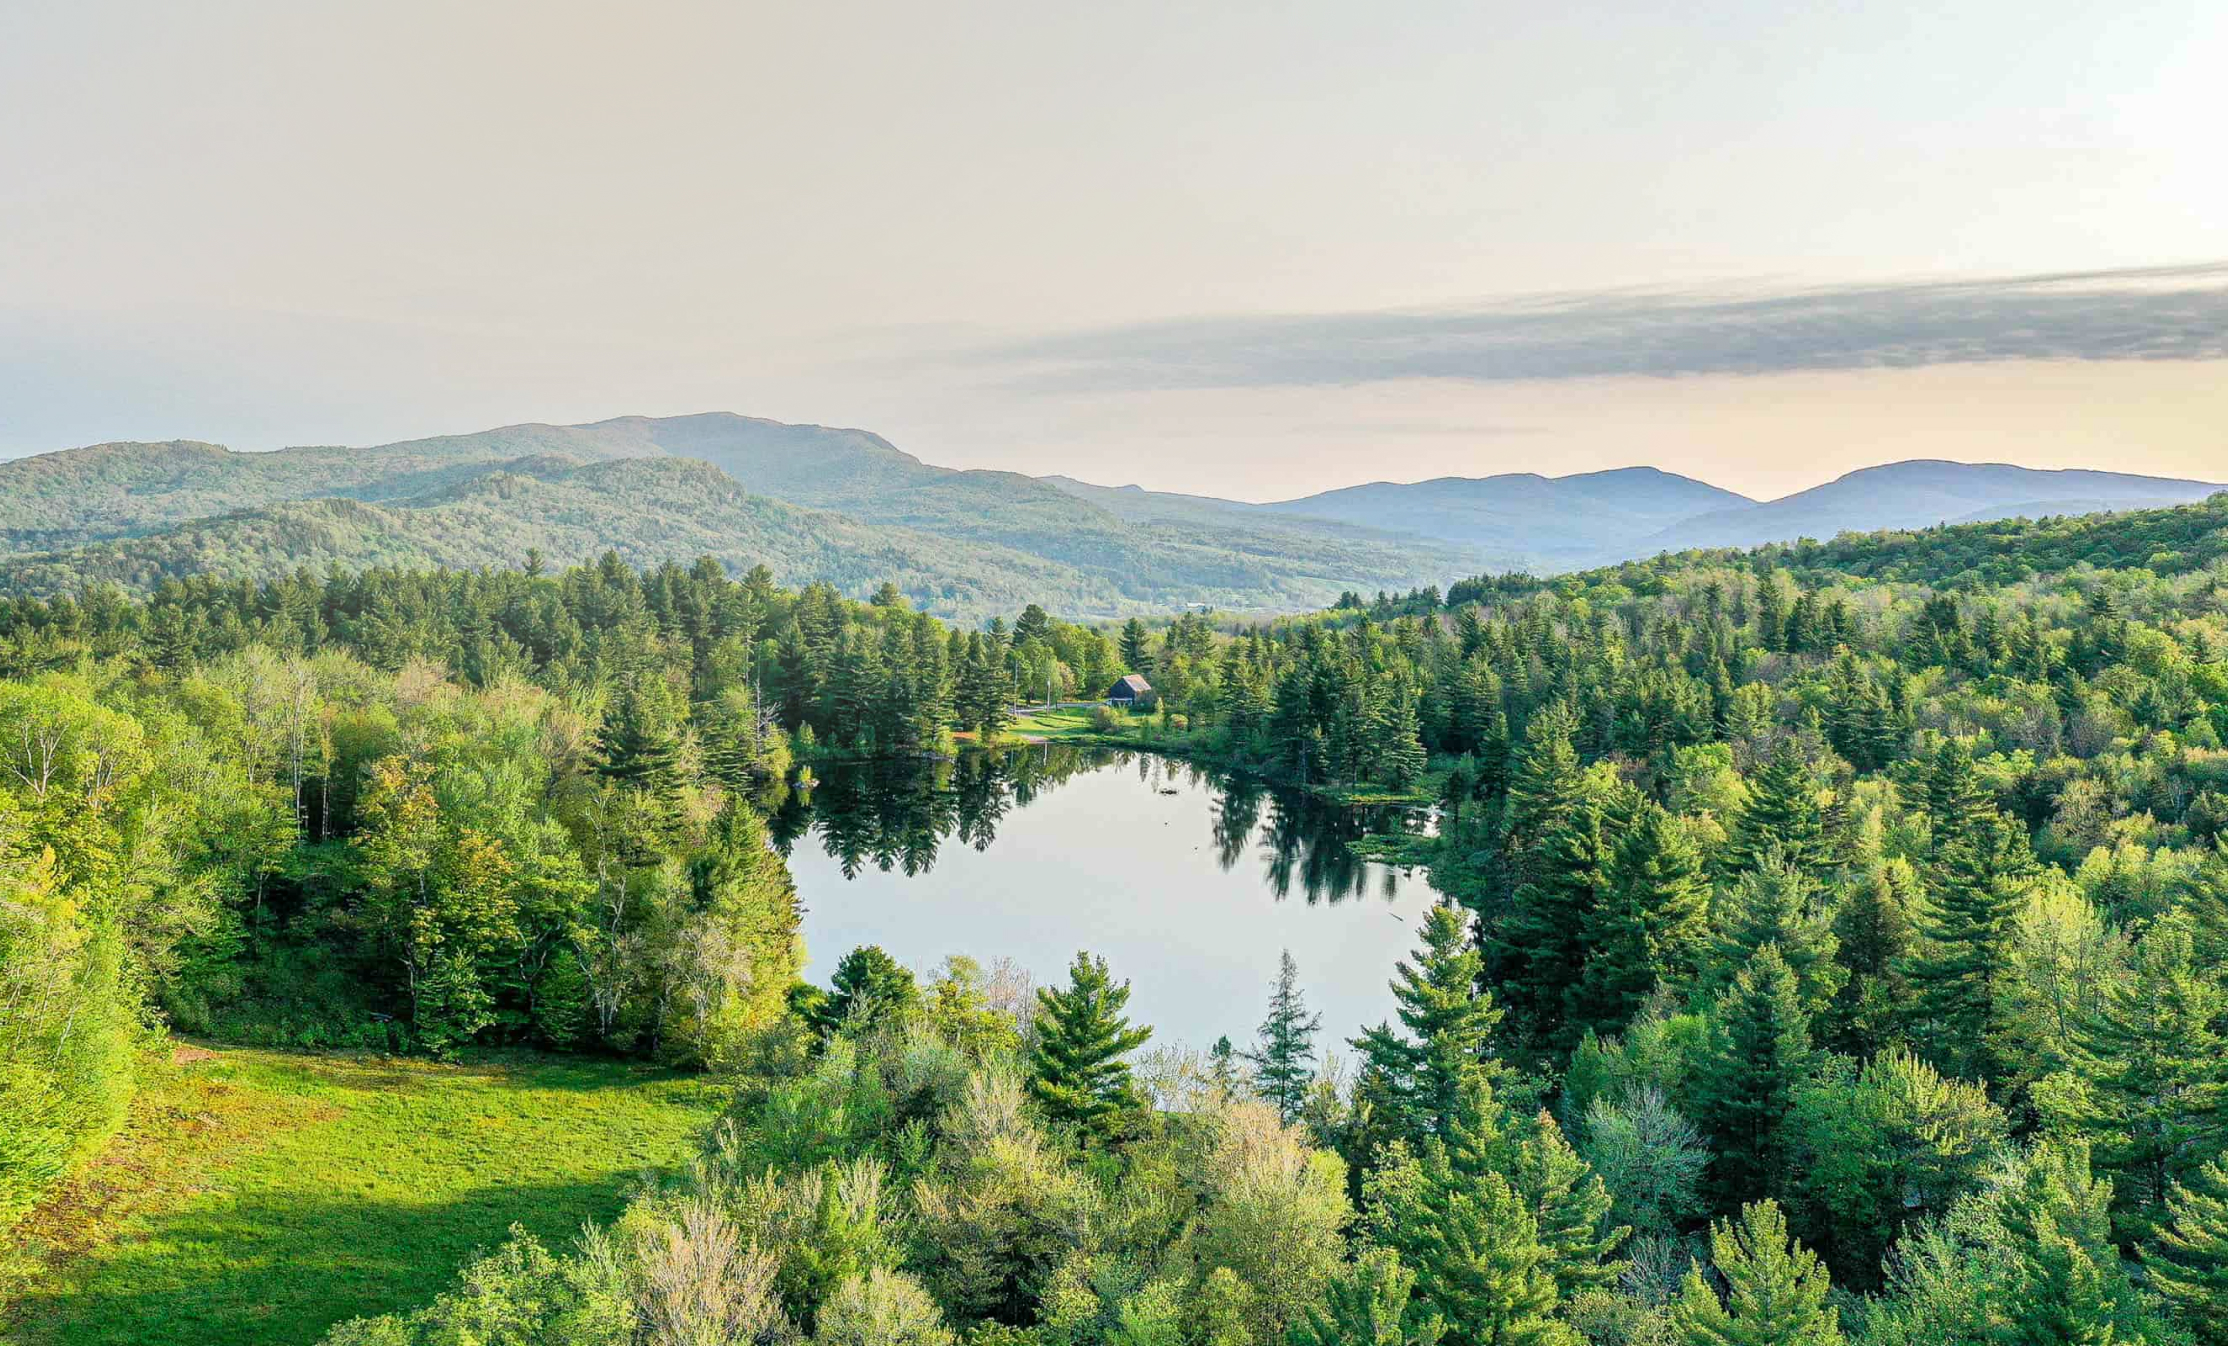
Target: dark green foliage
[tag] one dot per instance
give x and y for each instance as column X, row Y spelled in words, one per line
column 1651, row 927
column 2188, row 1262
column 1076, row 1069
column 1284, row 1061
column 1759, row 1055
column 1447, row 1048
column 869, row 990
column 1781, row 817
column 2156, row 1073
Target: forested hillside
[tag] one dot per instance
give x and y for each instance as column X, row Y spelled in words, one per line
column 846, row 506
column 813, row 503
column 1828, row 955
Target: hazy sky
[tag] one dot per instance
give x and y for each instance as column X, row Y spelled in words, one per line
column 1248, row 249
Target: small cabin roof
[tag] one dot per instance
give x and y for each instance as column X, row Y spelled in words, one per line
column 1132, row 683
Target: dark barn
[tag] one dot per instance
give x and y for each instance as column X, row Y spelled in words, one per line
column 1128, row 690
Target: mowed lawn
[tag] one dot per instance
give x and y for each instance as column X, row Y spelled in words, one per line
column 260, row 1197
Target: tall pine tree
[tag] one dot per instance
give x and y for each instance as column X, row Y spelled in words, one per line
column 1076, row 1069
column 1284, row 1062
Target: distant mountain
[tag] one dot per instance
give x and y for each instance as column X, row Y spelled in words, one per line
column 649, row 511
column 1552, row 523
column 965, row 544
column 1919, row 494
column 817, row 502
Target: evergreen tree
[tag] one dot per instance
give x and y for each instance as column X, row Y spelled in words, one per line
column 1650, row 928
column 1979, row 877
column 1479, row 1261
column 1076, row 1069
column 1450, row 1023
column 1538, row 947
column 1404, row 759
column 2188, row 1263
column 1284, row 1062
column 1781, row 814
column 869, row 990
column 1369, row 1302
column 1759, row 1053
column 1775, row 903
column 1137, row 647
column 638, row 745
column 1569, row 1204
column 1775, row 1289
column 2157, row 1076
column 1872, row 927
column 1222, row 1067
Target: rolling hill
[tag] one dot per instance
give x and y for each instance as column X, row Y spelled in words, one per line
column 1919, row 494
column 809, row 501
column 1556, row 523
column 817, row 502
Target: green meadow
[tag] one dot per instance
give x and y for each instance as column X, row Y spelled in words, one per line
column 259, row 1197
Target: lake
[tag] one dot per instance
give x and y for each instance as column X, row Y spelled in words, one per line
column 1188, row 883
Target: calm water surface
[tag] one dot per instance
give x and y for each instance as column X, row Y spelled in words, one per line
column 1189, row 884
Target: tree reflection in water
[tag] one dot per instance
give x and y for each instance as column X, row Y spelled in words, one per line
column 894, row 815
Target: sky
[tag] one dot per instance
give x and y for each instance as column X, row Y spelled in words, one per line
column 1241, row 249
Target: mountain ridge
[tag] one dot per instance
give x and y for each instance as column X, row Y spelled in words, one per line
column 818, row 501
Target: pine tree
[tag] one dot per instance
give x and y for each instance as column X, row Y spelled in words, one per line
column 1650, row 927
column 1404, row 759
column 2157, row 1076
column 1076, row 1069
column 1369, row 1302
column 1776, row 903
column 1538, row 947
column 1781, row 814
column 1480, row 1264
column 638, row 745
column 869, row 990
column 1957, row 800
column 2188, row 1263
column 1873, row 928
column 1137, row 647
column 1775, row 1289
column 2068, row 1282
column 1542, row 784
column 1978, row 879
column 1450, row 1024
column 1284, row 1063
column 1569, row 1204
column 1759, row 1053
column 1222, row 1067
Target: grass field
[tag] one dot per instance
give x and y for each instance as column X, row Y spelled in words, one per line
column 258, row 1197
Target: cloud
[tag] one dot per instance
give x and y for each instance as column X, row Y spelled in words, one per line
column 2166, row 313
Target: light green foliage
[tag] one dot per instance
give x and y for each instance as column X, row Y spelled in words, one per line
column 1878, row 1149
column 2188, row 1264
column 2028, row 1260
column 1276, row 1211
column 882, row 1308
column 1649, row 1157
column 1369, row 1303
column 1775, row 1289
column 1480, row 1262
